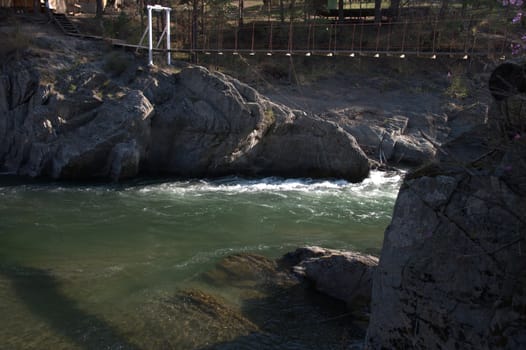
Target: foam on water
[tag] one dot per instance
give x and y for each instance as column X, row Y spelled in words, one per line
column 377, row 184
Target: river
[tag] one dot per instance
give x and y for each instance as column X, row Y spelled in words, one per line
column 82, row 266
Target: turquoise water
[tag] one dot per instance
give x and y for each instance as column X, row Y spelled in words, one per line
column 103, row 255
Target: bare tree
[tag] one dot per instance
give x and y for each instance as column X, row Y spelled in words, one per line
column 377, row 11
column 241, row 10
column 282, row 11
column 100, row 8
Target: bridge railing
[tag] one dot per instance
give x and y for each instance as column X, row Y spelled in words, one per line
column 452, row 36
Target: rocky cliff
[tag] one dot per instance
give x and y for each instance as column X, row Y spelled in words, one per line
column 452, row 272
column 68, row 111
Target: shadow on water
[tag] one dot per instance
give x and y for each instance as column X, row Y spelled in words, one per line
column 288, row 314
column 40, row 292
column 295, row 318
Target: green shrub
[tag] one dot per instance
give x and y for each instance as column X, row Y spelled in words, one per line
column 458, row 87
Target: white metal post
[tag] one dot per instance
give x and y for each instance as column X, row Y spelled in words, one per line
column 158, row 8
column 150, row 40
column 169, row 58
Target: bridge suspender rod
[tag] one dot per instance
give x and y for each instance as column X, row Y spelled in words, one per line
column 308, row 36
column 221, row 38
column 467, row 35
column 418, row 37
column 290, row 38
column 378, row 36
column 206, row 29
column 253, row 31
column 403, row 38
column 314, row 39
column 270, row 40
column 505, row 44
column 434, row 35
column 335, row 37
column 236, row 33
column 353, row 32
column 389, row 28
column 474, row 42
column 330, row 36
column 361, row 33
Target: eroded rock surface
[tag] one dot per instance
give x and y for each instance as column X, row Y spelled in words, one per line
column 452, row 268
column 66, row 116
column 215, row 125
column 344, row 275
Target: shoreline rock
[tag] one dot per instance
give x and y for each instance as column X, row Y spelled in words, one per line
column 344, row 275
column 97, row 124
column 452, row 271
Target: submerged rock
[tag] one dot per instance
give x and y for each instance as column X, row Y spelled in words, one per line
column 193, row 319
column 248, row 271
column 343, row 275
column 289, row 314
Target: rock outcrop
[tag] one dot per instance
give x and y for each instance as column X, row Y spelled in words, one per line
column 214, row 125
column 394, row 139
column 112, row 119
column 452, row 272
column 344, row 275
column 72, row 136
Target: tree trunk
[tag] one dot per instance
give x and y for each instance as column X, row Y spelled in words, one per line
column 340, row 10
column 282, row 11
column 377, row 11
column 464, row 8
column 291, row 10
column 100, row 8
column 140, row 9
column 241, row 10
column 394, row 9
column 443, row 8
column 195, row 15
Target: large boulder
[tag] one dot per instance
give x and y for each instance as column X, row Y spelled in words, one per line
column 344, row 275
column 215, row 125
column 393, row 138
column 452, row 272
column 71, row 136
column 86, row 121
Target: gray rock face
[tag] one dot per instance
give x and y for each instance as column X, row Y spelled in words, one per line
column 344, row 275
column 76, row 136
column 391, row 138
column 194, row 123
column 452, row 268
column 215, row 125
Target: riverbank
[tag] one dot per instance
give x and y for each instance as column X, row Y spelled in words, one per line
column 342, row 115
column 457, row 227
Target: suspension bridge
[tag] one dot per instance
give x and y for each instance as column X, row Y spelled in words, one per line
column 431, row 38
